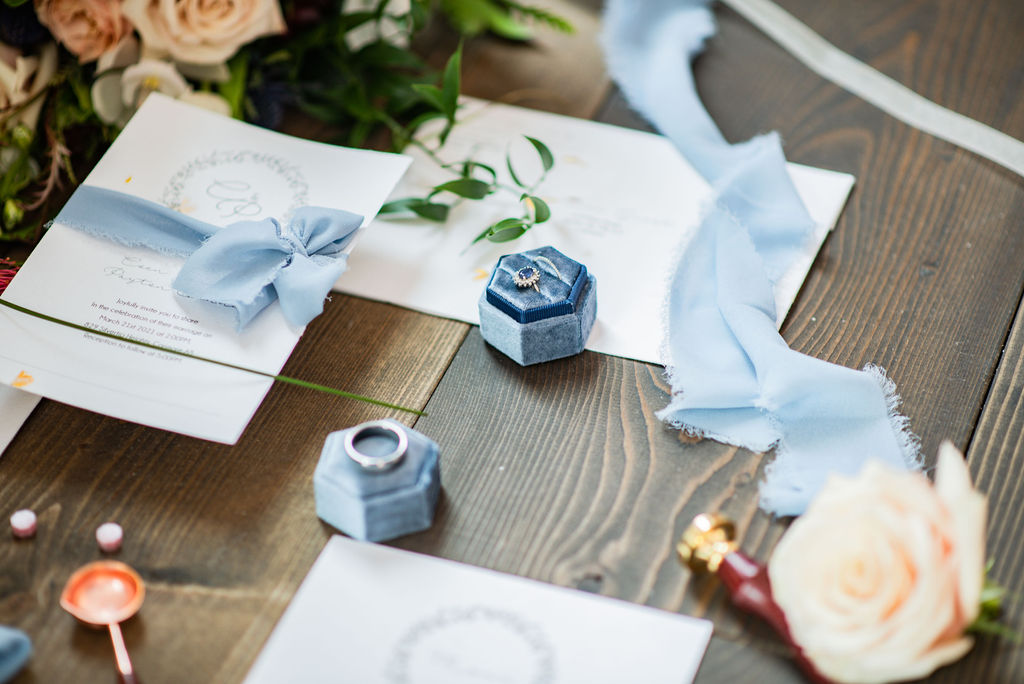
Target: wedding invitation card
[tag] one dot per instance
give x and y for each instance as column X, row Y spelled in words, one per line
column 213, row 168
column 623, row 202
column 377, row 615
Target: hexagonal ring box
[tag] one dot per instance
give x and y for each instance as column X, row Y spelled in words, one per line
column 539, row 305
column 378, row 480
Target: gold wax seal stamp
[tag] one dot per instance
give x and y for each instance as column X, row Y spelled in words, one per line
column 709, row 538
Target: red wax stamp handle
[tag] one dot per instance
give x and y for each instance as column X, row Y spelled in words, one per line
column 747, row 582
column 708, row 545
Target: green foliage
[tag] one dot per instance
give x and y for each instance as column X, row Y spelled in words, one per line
column 469, row 187
column 992, row 598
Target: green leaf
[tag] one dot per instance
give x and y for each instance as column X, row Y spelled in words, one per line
column 516, row 228
column 538, row 207
column 500, row 22
column 469, row 166
column 512, row 172
column 386, row 55
column 431, row 95
column 350, row 20
column 470, row 188
column 15, row 3
column 546, row 158
column 233, row 90
column 419, row 12
column 451, row 83
column 500, row 225
column 540, row 14
column 431, row 211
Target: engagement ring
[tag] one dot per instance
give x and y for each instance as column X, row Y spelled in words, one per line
column 528, row 276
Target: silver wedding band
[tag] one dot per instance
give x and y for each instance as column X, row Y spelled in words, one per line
column 373, row 428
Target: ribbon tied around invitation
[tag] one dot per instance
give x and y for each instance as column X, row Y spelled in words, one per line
column 244, row 266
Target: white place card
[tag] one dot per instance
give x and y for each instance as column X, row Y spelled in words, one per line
column 377, row 615
column 216, row 169
column 623, row 202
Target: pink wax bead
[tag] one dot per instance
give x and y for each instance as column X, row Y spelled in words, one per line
column 23, row 523
column 109, row 536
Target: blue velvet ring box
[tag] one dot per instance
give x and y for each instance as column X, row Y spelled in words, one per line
column 535, row 325
column 377, row 504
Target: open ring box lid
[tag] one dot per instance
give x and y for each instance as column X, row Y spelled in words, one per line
column 535, row 325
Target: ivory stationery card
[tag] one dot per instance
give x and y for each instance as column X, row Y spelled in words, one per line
column 623, row 202
column 218, row 170
column 376, row 615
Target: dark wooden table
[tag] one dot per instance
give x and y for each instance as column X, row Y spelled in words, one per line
column 561, row 472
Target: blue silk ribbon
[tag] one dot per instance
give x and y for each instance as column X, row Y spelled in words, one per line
column 244, row 266
column 733, row 377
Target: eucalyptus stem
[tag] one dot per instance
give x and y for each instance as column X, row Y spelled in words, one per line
column 279, row 378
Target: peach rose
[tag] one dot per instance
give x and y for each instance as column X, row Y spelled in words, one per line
column 203, row 31
column 87, row 28
column 880, row 577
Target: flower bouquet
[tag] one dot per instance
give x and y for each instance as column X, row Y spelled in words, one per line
column 73, row 71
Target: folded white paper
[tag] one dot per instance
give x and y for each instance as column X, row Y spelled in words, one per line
column 216, row 169
column 376, row 615
column 15, row 407
column 623, row 202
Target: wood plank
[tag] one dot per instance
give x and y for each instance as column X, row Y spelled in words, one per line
column 560, row 472
column 994, row 459
column 222, row 535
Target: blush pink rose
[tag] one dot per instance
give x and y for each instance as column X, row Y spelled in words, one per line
column 881, row 576
column 203, row 31
column 87, row 28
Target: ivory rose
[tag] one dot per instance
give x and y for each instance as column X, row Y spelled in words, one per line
column 203, row 31
column 87, row 28
column 880, row 577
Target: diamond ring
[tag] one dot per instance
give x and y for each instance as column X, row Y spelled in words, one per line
column 528, row 276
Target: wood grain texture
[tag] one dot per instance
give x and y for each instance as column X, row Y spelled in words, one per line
column 994, row 458
column 223, row 535
column 561, row 472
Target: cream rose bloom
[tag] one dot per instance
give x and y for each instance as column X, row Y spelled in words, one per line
column 882, row 574
column 203, row 31
column 87, row 28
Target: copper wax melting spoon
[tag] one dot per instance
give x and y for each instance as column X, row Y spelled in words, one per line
column 104, row 594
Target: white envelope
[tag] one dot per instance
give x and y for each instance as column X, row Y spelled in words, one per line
column 216, row 169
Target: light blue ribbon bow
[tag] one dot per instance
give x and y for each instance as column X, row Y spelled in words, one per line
column 733, row 377
column 244, row 266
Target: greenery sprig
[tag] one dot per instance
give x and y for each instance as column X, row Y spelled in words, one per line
column 476, row 181
column 993, row 596
column 473, row 180
column 177, row 352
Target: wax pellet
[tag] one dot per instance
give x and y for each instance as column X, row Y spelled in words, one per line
column 23, row 523
column 109, row 536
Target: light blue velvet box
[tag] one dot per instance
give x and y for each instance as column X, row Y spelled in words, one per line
column 535, row 325
column 377, row 504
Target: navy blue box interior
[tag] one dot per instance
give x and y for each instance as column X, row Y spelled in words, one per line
column 557, row 296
